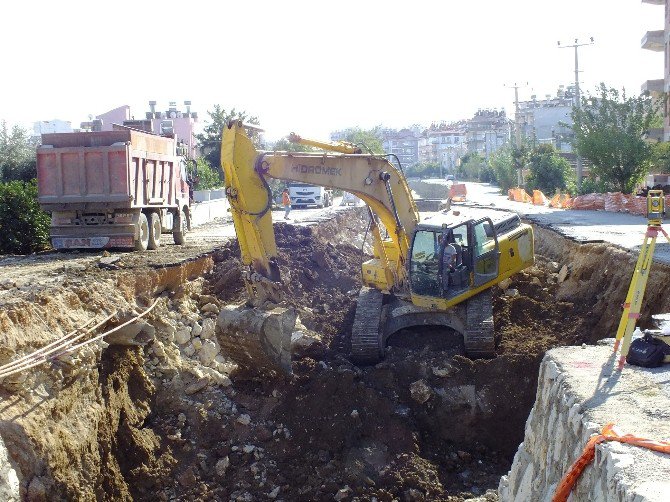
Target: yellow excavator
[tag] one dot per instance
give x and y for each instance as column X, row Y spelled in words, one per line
column 435, row 272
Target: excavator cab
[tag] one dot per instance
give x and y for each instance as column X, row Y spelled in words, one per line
column 447, row 261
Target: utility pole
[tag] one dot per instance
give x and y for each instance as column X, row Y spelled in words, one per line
column 576, row 45
column 517, row 125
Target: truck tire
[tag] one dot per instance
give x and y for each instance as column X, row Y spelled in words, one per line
column 142, row 242
column 154, row 231
column 179, row 230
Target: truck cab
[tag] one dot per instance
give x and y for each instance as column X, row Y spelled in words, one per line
column 303, row 195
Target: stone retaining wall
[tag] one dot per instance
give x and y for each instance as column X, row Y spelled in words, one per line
column 578, row 392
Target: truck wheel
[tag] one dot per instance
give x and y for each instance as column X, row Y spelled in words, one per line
column 154, row 231
column 142, row 242
column 179, row 230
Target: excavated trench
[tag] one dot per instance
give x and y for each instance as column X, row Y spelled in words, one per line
column 169, row 419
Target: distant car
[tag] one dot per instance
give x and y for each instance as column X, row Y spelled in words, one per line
column 349, row 199
column 450, row 177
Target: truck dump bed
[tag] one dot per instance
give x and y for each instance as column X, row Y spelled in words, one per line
column 122, row 168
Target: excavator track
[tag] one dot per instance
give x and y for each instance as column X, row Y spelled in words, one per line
column 366, row 336
column 479, row 333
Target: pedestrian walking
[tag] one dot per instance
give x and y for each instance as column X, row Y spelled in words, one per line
column 286, row 202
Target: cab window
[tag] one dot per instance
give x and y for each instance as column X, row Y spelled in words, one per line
column 424, row 264
column 484, row 240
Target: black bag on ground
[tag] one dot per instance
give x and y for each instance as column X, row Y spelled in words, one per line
column 647, row 351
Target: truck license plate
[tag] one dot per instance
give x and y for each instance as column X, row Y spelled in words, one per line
column 79, row 242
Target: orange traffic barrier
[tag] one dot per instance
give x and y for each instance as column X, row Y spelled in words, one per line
column 539, row 199
column 458, row 192
column 608, row 434
column 519, row 195
column 560, row 200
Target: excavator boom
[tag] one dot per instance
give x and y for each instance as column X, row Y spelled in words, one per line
column 372, row 178
column 331, row 146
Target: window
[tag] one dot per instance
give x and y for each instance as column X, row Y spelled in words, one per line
column 485, row 252
column 424, row 264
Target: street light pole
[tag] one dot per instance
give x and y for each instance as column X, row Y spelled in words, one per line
column 577, row 104
column 517, row 125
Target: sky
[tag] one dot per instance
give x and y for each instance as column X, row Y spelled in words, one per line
column 314, row 66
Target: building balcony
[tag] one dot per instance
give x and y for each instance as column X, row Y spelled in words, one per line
column 653, row 87
column 654, row 41
column 654, row 2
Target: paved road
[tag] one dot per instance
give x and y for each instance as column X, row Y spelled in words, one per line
column 621, row 229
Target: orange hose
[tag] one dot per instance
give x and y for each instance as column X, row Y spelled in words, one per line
column 608, row 434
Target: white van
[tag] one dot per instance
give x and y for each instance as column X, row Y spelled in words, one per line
column 303, row 195
column 349, row 199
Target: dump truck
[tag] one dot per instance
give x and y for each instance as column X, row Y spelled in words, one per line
column 113, row 189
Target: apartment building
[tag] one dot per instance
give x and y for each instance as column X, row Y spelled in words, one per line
column 657, row 41
column 487, row 131
column 548, row 120
column 443, row 144
column 173, row 120
column 403, row 143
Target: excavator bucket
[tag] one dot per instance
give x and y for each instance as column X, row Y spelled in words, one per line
column 257, row 340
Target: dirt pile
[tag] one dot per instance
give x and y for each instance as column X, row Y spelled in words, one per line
column 169, row 420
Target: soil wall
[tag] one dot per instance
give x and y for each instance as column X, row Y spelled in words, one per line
column 169, row 418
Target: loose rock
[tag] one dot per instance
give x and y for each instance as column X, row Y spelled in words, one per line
column 420, row 391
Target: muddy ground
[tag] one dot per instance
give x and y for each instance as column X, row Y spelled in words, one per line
column 171, row 419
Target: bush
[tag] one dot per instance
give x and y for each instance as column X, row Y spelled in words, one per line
column 549, row 171
column 23, row 225
column 590, row 185
column 502, row 164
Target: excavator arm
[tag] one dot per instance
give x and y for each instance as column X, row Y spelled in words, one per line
column 372, row 178
column 331, row 146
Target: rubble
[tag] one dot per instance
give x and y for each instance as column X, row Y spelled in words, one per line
column 175, row 420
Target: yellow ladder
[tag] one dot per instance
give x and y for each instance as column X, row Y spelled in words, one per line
column 638, row 284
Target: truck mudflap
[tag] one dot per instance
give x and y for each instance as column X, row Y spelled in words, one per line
column 97, row 242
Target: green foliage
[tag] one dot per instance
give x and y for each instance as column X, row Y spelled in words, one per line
column 488, row 174
column 609, row 131
column 23, row 225
column 205, row 176
column 660, row 157
column 503, row 165
column 472, row 165
column 591, row 185
column 17, row 155
column 549, row 171
column 370, row 140
column 423, row 170
column 209, row 141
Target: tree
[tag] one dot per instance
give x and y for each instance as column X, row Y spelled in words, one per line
column 549, row 171
column 472, row 165
column 206, row 177
column 17, row 154
column 209, row 141
column 609, row 131
column 23, row 225
column 370, row 140
column 504, row 166
column 423, row 170
column 660, row 157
